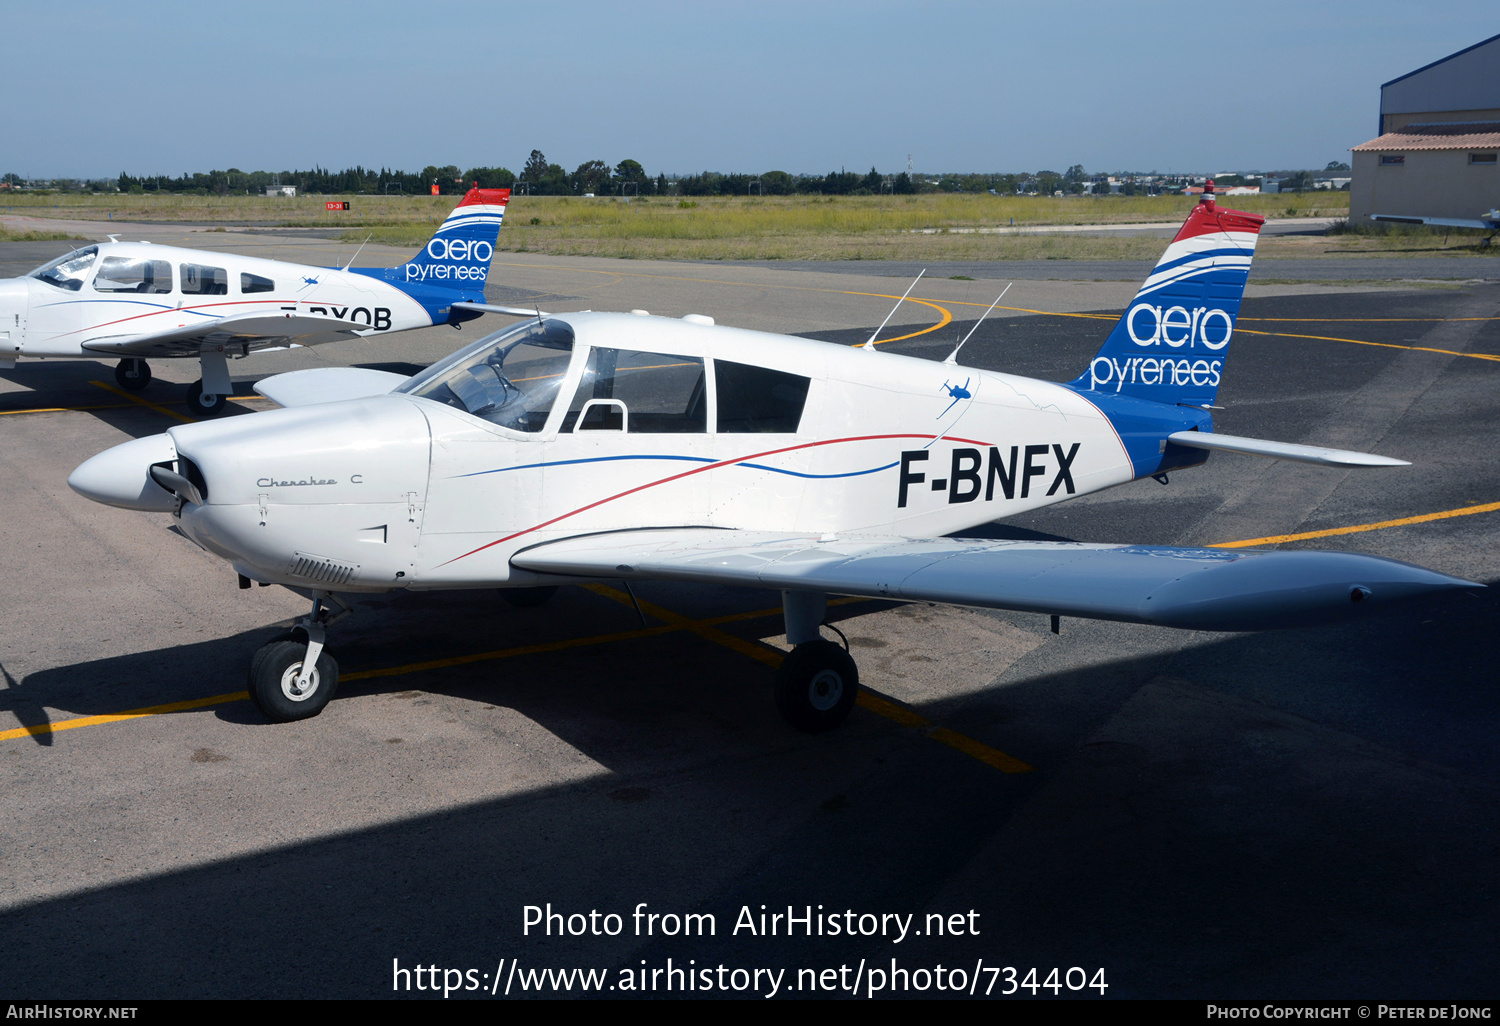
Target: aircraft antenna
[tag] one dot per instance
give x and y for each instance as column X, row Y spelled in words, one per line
column 357, row 251
column 870, row 345
column 953, row 356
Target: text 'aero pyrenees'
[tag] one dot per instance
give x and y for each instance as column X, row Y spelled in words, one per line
column 135, row 300
column 616, row 446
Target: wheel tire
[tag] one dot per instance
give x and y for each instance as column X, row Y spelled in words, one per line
column 273, row 680
column 200, row 405
column 133, row 374
column 528, row 598
column 816, row 686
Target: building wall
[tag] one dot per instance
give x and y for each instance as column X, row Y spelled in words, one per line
column 1432, row 183
column 1466, row 81
column 1396, row 122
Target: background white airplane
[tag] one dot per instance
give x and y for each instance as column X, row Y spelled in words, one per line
column 137, row 300
column 599, row 445
column 1489, row 222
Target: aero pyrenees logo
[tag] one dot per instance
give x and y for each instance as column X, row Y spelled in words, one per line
column 1151, row 325
column 460, row 249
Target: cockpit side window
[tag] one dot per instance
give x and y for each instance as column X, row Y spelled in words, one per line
column 199, row 280
column 510, row 378
column 647, row 393
column 133, row 274
column 758, row 400
column 68, row 271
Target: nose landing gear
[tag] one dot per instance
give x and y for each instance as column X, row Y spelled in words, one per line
column 292, row 677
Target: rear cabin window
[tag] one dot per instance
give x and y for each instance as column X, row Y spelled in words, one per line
column 255, row 283
column 198, row 280
column 639, row 393
column 755, row 400
column 133, row 274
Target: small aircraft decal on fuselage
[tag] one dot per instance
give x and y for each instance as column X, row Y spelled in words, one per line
column 957, row 392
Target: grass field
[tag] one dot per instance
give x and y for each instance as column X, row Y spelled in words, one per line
column 924, row 227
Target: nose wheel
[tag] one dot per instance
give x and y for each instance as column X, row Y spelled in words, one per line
column 293, row 677
column 132, row 374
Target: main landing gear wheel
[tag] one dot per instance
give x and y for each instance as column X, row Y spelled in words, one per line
column 132, row 374
column 201, row 405
column 275, row 687
column 528, row 598
column 816, row 686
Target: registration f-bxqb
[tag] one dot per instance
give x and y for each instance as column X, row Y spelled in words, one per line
column 596, row 445
column 135, row 300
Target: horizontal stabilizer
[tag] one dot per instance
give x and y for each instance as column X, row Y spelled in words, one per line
column 514, row 311
column 1196, row 589
column 1212, row 440
column 248, row 332
column 327, row 385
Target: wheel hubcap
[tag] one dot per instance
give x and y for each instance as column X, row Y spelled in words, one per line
column 825, row 689
column 289, row 686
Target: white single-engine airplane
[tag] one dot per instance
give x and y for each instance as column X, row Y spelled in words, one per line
column 593, row 445
column 136, row 300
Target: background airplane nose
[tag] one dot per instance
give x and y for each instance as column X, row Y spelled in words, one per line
column 122, row 476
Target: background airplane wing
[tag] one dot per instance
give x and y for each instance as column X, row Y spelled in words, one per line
column 1199, row 589
column 251, row 331
column 327, row 385
column 1441, row 222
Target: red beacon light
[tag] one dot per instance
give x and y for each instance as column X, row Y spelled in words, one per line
column 1207, row 198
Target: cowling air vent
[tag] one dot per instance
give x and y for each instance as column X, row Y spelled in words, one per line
column 321, row 569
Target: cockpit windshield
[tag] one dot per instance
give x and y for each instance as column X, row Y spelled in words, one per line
column 510, row 378
column 68, row 271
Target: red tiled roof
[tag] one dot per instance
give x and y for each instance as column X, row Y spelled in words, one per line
column 1472, row 135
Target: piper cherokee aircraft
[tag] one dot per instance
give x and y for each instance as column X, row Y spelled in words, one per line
column 136, row 300
column 596, row 445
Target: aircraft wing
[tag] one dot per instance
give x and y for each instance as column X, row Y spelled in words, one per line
column 1193, row 588
column 327, row 385
column 248, row 331
column 1441, row 222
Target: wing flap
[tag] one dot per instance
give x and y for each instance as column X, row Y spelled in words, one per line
column 249, row 331
column 1199, row 589
column 1212, row 440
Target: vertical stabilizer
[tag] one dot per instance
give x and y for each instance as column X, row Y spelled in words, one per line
column 1171, row 345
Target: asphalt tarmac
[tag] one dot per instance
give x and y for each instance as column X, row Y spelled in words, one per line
column 1302, row 814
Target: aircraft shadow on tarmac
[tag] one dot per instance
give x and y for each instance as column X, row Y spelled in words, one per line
column 1184, row 829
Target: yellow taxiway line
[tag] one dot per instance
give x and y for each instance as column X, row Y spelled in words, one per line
column 1277, row 539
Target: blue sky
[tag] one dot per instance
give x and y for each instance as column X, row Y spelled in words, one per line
column 91, row 89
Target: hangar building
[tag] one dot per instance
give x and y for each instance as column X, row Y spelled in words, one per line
column 1439, row 139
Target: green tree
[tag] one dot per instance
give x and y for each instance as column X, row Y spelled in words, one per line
column 591, row 176
column 777, row 183
column 535, row 170
column 490, row 177
column 630, row 172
